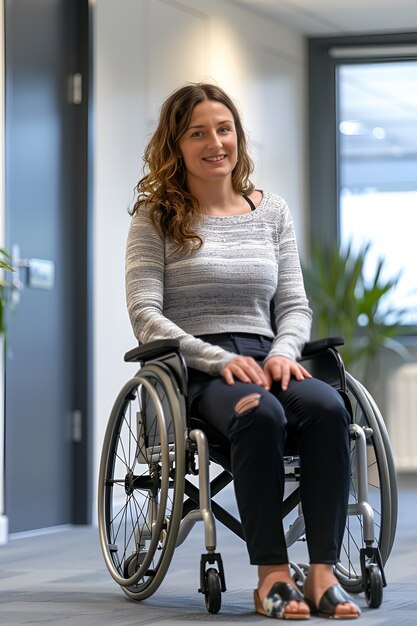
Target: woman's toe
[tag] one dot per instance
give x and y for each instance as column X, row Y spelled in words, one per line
column 347, row 609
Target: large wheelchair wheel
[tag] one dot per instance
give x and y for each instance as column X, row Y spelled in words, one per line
column 392, row 472
column 141, row 481
column 382, row 489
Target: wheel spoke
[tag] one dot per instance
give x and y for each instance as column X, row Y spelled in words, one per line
column 138, row 492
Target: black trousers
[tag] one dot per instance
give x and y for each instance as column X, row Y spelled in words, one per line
column 310, row 412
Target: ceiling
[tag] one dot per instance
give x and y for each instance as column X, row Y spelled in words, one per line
column 339, row 17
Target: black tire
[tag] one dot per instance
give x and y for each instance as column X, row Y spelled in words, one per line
column 374, row 588
column 213, row 595
column 141, row 481
column 381, row 487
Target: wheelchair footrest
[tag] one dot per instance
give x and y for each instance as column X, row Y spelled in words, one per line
column 211, row 558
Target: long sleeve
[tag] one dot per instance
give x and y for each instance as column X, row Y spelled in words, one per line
column 291, row 311
column 145, row 278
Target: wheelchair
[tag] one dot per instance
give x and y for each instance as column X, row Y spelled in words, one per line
column 148, row 501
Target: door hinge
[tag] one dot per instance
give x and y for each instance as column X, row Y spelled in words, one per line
column 75, row 88
column 76, row 426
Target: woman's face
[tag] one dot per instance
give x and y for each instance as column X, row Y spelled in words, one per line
column 209, row 145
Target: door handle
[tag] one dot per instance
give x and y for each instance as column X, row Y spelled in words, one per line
column 34, row 273
column 17, row 284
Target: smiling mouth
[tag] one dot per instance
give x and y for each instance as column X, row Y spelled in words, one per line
column 215, row 159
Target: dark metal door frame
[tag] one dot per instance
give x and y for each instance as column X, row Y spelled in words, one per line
column 82, row 254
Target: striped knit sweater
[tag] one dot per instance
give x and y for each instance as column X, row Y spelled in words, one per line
column 224, row 287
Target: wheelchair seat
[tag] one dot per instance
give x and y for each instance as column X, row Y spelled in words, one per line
column 148, row 501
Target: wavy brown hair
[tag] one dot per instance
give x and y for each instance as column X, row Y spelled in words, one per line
column 163, row 187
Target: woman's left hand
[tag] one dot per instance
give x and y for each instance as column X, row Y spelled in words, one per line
column 280, row 368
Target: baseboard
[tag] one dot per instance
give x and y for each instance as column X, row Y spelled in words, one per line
column 37, row 532
column 4, row 529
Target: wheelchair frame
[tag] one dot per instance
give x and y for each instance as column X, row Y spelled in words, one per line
column 149, row 449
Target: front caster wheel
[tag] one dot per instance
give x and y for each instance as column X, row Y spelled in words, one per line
column 213, row 594
column 373, row 586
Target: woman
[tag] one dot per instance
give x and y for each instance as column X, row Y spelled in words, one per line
column 207, row 254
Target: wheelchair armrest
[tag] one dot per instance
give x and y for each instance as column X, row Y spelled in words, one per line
column 311, row 347
column 153, row 350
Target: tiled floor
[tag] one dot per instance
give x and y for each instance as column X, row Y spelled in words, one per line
column 61, row 578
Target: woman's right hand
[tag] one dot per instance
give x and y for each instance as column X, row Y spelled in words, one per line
column 246, row 369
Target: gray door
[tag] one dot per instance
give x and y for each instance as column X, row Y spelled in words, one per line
column 41, row 226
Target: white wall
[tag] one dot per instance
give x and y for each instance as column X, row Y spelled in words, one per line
column 3, row 518
column 144, row 49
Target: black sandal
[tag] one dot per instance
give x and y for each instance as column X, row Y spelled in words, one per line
column 276, row 601
column 331, row 599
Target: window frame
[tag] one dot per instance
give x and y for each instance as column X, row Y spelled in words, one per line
column 322, row 112
column 322, row 120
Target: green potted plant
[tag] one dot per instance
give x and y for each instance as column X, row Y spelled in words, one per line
column 4, row 265
column 347, row 303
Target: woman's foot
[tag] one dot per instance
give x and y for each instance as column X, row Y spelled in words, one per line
column 324, row 593
column 271, row 574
